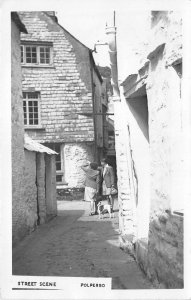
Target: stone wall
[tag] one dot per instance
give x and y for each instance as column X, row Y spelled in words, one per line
column 18, row 206
column 165, row 253
column 65, row 87
column 159, row 250
column 75, row 155
column 125, row 177
column 166, row 233
column 30, row 191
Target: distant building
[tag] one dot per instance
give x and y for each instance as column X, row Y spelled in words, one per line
column 33, row 165
column 151, row 164
column 109, row 120
column 64, row 97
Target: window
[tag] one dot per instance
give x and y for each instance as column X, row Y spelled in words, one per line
column 58, row 157
column 59, row 178
column 31, row 55
column 21, row 54
column 59, row 162
column 36, row 55
column 45, row 55
column 31, row 108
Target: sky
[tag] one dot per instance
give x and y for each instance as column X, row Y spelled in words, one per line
column 87, row 21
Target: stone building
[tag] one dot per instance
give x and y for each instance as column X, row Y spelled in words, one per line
column 63, row 96
column 150, row 141
column 33, row 165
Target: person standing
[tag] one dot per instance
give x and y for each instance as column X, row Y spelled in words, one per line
column 91, row 184
column 107, row 178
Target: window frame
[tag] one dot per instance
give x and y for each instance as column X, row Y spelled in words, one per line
column 27, row 109
column 62, row 171
column 38, row 47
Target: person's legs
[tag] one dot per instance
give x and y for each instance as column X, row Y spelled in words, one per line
column 92, row 207
column 110, row 201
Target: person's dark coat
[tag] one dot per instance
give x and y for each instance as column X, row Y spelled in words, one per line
column 108, row 176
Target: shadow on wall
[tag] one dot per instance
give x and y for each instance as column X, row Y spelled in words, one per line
column 139, row 109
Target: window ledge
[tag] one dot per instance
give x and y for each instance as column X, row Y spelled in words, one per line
column 26, row 127
column 60, row 184
column 38, row 66
column 178, row 212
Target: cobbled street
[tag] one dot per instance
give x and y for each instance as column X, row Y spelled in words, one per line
column 78, row 245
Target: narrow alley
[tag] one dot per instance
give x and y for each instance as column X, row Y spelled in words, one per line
column 78, row 245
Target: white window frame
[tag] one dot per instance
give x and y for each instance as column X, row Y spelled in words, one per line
column 27, row 109
column 60, row 172
column 38, row 63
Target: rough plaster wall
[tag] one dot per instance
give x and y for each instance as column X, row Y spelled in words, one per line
column 75, row 155
column 64, row 90
column 166, row 231
column 167, row 28
column 162, row 257
column 18, row 204
column 30, row 190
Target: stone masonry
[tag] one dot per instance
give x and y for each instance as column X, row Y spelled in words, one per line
column 63, row 93
column 157, row 241
column 165, row 251
column 29, row 192
column 18, row 158
column 70, row 91
column 76, row 154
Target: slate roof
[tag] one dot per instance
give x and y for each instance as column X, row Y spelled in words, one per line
column 32, row 145
column 16, row 19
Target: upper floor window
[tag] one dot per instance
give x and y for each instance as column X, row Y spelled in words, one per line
column 31, row 108
column 36, row 54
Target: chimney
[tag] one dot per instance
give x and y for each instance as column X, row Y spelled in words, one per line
column 52, row 14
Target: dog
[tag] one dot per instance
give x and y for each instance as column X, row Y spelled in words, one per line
column 104, row 207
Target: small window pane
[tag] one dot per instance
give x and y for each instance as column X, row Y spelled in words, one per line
column 44, row 55
column 31, row 54
column 57, row 148
column 59, row 178
column 21, row 54
column 58, row 166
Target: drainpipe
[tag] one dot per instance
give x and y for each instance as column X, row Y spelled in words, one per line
column 112, row 43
